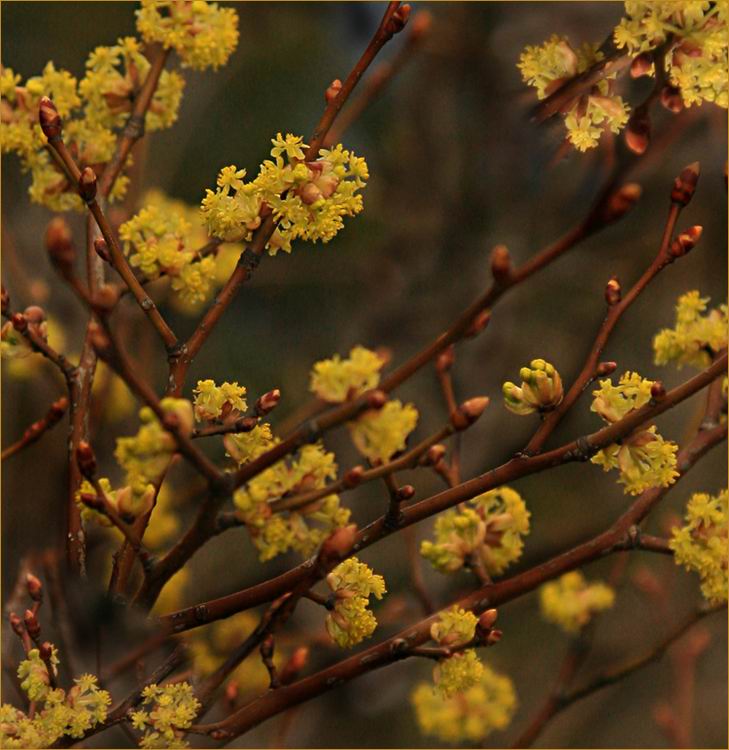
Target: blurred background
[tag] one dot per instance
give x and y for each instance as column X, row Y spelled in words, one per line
column 456, row 167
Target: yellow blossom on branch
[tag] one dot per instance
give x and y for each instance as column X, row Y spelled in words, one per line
column 336, row 379
column 380, row 433
column 571, row 601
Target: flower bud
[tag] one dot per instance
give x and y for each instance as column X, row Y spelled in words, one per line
column 297, row 661
column 613, row 292
column 59, row 245
column 479, row 323
column 541, row 389
column 353, row 477
column 605, row 368
column 658, row 391
column 16, row 624
column 268, row 402
column 671, row 99
column 50, row 120
column 34, row 586
column 684, row 185
column 434, row 454
column 86, row 459
column 398, row 20
column 638, row 132
column 621, row 201
column 31, row 624
column 20, row 324
column 333, row 91
column 376, row 399
column 339, row 543
column 102, row 249
column 46, row 650
column 487, row 620
column 500, row 264
column 641, row 65
column 34, row 314
column 686, row 241
column 444, row 361
column 405, row 493
column 469, row 411
column 106, row 297
column 87, row 184
column 494, row 637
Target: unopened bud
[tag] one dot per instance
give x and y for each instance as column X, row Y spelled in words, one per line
column 638, row 132
column 541, row 389
column 31, row 624
column 500, row 264
column 86, row 459
column 87, row 184
column 684, row 185
column 34, row 314
column 268, row 402
column 20, row 324
column 405, row 493
column 671, row 99
column 487, row 620
column 376, row 399
column 613, row 292
column 398, row 20
column 434, row 454
column 353, row 477
column 339, row 543
column 34, row 586
column 106, row 297
column 641, row 65
column 50, row 120
column 479, row 323
column 58, row 243
column 686, row 241
column 16, row 624
column 658, row 391
column 102, row 249
column 444, row 361
column 605, row 368
column 333, row 90
column 99, row 340
column 294, row 665
column 231, row 692
column 469, row 411
column 494, row 637
column 621, row 201
column 46, row 650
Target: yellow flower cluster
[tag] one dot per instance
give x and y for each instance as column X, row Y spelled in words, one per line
column 645, row 459
column 380, row 433
column 335, row 380
column 58, row 713
column 702, row 545
column 549, row 66
column 697, row 61
column 697, row 334
column 302, row 529
column 167, row 711
column 155, row 241
column 541, row 389
column 571, row 601
column 213, row 401
column 308, row 198
column 352, row 584
column 203, row 34
column 113, row 78
column 469, row 716
column 490, row 526
column 127, row 503
column 462, row 670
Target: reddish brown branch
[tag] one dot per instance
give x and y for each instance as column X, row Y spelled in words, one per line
column 36, row 431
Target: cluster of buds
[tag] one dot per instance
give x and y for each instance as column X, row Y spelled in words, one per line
column 541, row 389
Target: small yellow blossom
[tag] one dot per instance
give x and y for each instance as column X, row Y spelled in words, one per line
column 571, row 601
column 457, row 673
column 380, row 433
column 167, row 710
column 213, row 401
column 455, row 627
column 541, row 389
column 336, row 380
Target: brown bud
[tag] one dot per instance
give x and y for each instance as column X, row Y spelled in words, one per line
column 479, row 323
column 339, row 543
column 87, row 184
column 621, row 201
column 376, row 399
column 31, row 624
column 5, row 301
column 268, row 402
column 58, row 408
column 333, row 91
column 231, row 692
column 444, row 361
column 34, row 586
column 494, row 637
column 59, row 244
column 684, row 185
column 86, row 459
column 16, row 624
column 641, row 65
column 50, row 120
column 487, row 620
column 106, row 297
column 469, row 411
column 405, row 493
column 658, row 391
column 421, row 24
column 398, row 20
column 613, row 292
column 353, row 476
column 20, row 324
column 46, row 650
column 99, row 340
column 605, row 368
column 500, row 264
column 102, row 249
column 294, row 665
column 686, row 241
column 91, row 501
column 34, row 314
column 434, row 454
column 671, row 99
column 638, row 132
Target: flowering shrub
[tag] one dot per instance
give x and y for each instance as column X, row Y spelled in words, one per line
column 175, row 486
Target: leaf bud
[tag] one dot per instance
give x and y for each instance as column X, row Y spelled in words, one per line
column 684, row 185
column 434, row 454
column 376, row 399
column 469, row 411
column 658, row 391
column 494, row 637
column 50, row 120
column 31, row 624
column 500, row 264
column 444, row 361
column 339, row 543
column 20, row 324
column 353, row 476
column 398, row 20
column 479, row 323
column 16, row 624
column 638, row 132
column 613, row 292
column 102, row 249
column 86, row 459
column 686, row 241
column 268, row 402
column 487, row 620
column 621, row 201
column 405, row 493
column 605, row 368
column 46, row 650
column 34, row 586
column 333, row 91
column 99, row 340
column 671, row 99
column 87, row 184
column 59, row 244
column 641, row 65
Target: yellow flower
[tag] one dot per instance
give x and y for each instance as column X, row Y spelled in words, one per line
column 167, row 710
column 457, row 673
column 211, row 401
column 541, row 389
column 336, row 380
column 570, row 601
column 379, row 434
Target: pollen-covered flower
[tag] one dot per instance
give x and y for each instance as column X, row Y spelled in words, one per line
column 460, row 671
column 702, row 545
column 203, row 34
column 455, row 627
column 352, row 583
column 380, row 433
column 696, row 336
column 33, row 674
column 213, row 401
column 167, row 710
column 571, row 601
column 645, row 459
column 469, row 716
column 541, row 389
column 490, row 526
column 336, row 379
